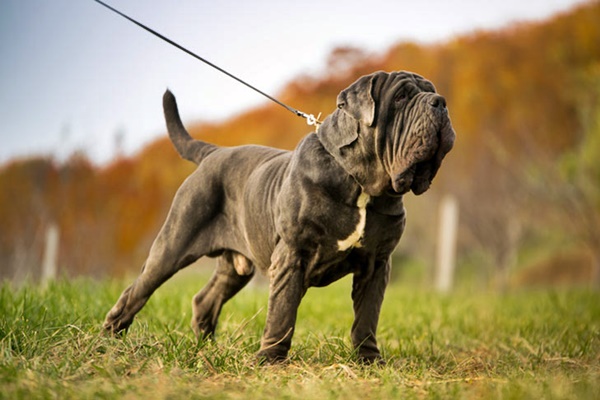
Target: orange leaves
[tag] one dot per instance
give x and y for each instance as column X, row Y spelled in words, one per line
column 518, row 88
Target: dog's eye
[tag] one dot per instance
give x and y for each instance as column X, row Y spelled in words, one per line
column 400, row 97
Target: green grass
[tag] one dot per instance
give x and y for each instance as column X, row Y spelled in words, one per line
column 530, row 345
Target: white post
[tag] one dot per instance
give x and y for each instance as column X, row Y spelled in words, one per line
column 49, row 266
column 446, row 254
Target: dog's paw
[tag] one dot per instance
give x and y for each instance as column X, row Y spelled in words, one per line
column 265, row 357
column 113, row 329
column 114, row 324
column 372, row 359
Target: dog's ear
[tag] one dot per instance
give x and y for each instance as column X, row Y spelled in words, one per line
column 357, row 100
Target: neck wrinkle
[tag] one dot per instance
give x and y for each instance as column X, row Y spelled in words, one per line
column 334, row 151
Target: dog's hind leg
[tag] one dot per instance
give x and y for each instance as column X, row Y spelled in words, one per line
column 131, row 301
column 185, row 237
column 233, row 272
column 157, row 269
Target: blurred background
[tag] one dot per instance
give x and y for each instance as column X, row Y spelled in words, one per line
column 87, row 173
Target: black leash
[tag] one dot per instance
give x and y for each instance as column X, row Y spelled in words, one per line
column 310, row 119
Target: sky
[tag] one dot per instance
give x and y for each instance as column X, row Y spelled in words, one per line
column 75, row 77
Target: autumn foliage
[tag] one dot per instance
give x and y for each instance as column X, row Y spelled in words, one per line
column 518, row 97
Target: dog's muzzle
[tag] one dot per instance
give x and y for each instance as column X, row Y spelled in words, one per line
column 430, row 137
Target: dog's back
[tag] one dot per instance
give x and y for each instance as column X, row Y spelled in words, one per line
column 247, row 179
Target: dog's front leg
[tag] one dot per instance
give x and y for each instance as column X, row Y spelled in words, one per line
column 368, row 288
column 286, row 290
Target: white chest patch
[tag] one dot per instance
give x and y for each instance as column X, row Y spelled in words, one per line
column 354, row 239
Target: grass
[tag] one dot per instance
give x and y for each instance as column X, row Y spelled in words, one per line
column 529, row 344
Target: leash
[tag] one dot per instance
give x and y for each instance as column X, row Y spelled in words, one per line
column 310, row 118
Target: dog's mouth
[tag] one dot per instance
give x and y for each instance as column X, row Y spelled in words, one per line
column 416, row 172
column 418, row 175
column 416, row 178
column 402, row 182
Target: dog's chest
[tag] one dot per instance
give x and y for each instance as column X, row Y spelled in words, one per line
column 355, row 238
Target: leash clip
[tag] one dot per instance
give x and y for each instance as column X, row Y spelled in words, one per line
column 311, row 119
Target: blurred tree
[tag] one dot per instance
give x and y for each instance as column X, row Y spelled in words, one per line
column 575, row 179
column 523, row 100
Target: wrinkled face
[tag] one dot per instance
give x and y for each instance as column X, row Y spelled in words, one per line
column 391, row 132
column 413, row 131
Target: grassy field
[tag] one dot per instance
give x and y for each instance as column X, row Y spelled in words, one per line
column 530, row 344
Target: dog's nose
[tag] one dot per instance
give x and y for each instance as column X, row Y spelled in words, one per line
column 437, row 101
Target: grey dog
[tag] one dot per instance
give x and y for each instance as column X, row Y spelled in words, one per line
column 307, row 217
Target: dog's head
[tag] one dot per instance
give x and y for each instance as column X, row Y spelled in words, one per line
column 390, row 131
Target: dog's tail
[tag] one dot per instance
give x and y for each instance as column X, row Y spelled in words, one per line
column 187, row 147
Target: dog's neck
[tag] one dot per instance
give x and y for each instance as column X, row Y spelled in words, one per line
column 341, row 137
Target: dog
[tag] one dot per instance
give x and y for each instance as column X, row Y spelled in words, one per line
column 307, row 217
